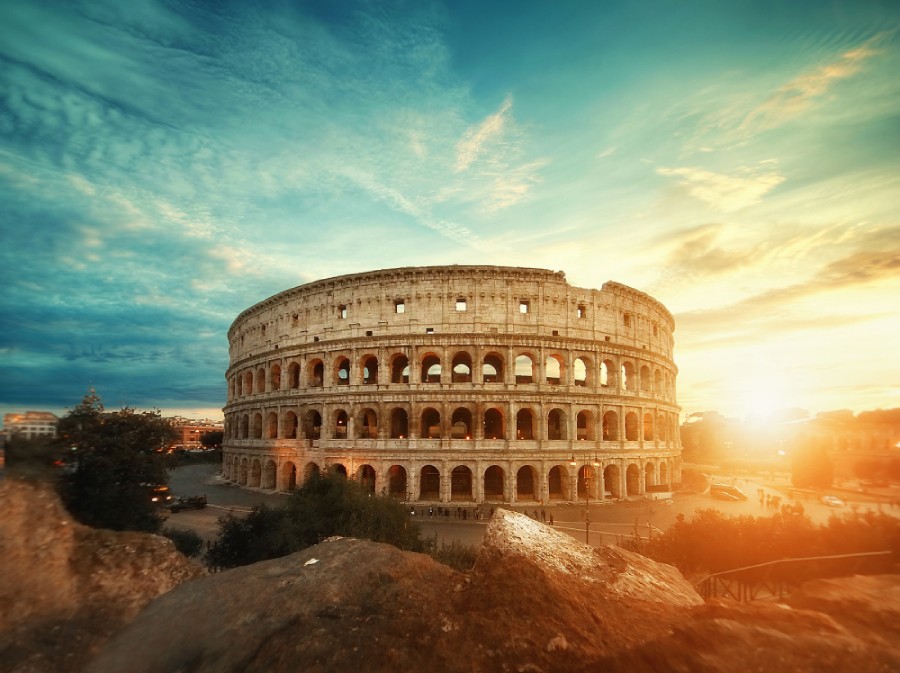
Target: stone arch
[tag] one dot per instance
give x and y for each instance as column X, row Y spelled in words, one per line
column 257, row 426
column 365, row 475
column 368, row 367
column 268, row 475
column 275, row 377
column 608, row 374
column 244, row 473
column 431, row 368
column 628, row 377
column 289, row 425
column 255, row 478
column 461, row 484
column 430, row 427
column 631, row 427
column 657, row 382
column 664, row 473
column 260, row 380
column 367, row 424
column 341, row 422
column 649, row 474
column 525, row 424
column 527, row 483
column 338, row 469
column 555, row 369
column 492, row 368
column 245, row 426
column 584, row 425
column 429, row 483
column 556, row 425
column 293, row 376
column 493, row 424
column 341, row 374
column 271, row 425
column 558, row 483
column 399, row 368
column 648, row 427
column 461, row 368
column 288, row 476
column 399, row 423
column 610, row 426
column 461, row 424
column 633, row 480
column 585, row 480
column 582, row 373
column 524, row 368
column 612, row 481
column 312, row 424
column 495, row 483
column 247, row 388
column 645, row 379
column 310, row 471
column 316, row 374
column 397, row 481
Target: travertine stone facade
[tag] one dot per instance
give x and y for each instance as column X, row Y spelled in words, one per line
column 456, row 384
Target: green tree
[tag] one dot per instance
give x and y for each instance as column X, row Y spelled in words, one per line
column 324, row 506
column 112, row 460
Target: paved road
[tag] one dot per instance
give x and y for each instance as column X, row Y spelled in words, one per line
column 607, row 521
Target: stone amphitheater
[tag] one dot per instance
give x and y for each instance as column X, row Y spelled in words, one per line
column 456, row 384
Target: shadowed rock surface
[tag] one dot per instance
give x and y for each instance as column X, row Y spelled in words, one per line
column 66, row 588
column 536, row 601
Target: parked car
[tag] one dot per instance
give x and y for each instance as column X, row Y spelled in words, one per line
column 190, row 502
column 726, row 492
column 832, row 501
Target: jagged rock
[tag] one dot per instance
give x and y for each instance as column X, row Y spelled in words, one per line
column 536, row 601
column 64, row 587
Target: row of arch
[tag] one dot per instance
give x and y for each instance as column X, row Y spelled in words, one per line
column 430, row 369
column 461, row 423
column 468, row 482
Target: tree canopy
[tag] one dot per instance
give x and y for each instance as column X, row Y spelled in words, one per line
column 112, row 461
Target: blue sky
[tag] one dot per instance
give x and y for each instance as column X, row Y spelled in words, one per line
column 165, row 165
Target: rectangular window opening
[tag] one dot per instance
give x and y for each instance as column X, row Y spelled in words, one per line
column 582, row 311
column 626, row 318
column 342, row 311
column 429, row 330
column 400, row 306
column 524, row 306
column 461, row 304
column 368, row 332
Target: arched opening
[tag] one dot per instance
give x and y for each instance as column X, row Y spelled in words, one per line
column 399, row 423
column 633, row 480
column 462, row 368
column 289, row 425
column 255, row 474
column 584, row 424
column 316, row 377
column 342, row 372
column 631, row 427
column 368, row 424
column 294, row 376
column 268, row 476
column 526, row 483
column 311, row 470
column 245, row 426
column 260, row 380
column 244, row 476
column 431, row 424
column 580, row 371
column 429, row 483
column 461, row 484
column 585, row 480
column 649, row 474
column 400, row 369
column 312, row 424
column 657, row 382
column 271, row 425
column 461, row 424
column 524, row 369
column 664, row 474
column 494, row 483
column 558, row 483
column 431, row 369
column 369, row 367
column 493, row 424
column 275, row 378
column 607, row 374
column 610, row 426
column 492, row 369
column 648, row 427
column 338, row 469
column 645, row 379
column 556, row 425
column 628, row 381
column 248, row 383
column 257, row 426
column 553, row 369
column 340, row 424
column 524, row 424
column 365, row 475
column 612, row 482
column 397, row 482
column 288, row 477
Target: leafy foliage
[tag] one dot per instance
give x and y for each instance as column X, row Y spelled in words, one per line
column 188, row 542
column 111, row 462
column 212, row 439
column 325, row 505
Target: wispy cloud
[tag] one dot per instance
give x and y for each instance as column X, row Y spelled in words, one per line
column 477, row 139
column 727, row 193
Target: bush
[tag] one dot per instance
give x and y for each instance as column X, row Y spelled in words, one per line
column 186, row 541
column 456, row 555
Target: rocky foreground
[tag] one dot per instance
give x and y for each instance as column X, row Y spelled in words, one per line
column 77, row 599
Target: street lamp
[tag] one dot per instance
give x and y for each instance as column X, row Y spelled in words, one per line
column 587, row 494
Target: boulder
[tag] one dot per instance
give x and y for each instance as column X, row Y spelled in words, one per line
column 66, row 588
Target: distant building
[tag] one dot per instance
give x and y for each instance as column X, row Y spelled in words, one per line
column 191, row 431
column 30, row 425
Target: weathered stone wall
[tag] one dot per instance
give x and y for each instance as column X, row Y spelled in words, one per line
column 456, row 384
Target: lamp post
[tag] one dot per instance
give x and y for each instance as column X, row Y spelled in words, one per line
column 587, row 495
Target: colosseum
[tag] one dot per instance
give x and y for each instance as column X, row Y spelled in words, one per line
column 456, row 384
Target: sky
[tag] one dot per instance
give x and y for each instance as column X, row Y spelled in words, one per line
column 164, row 165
